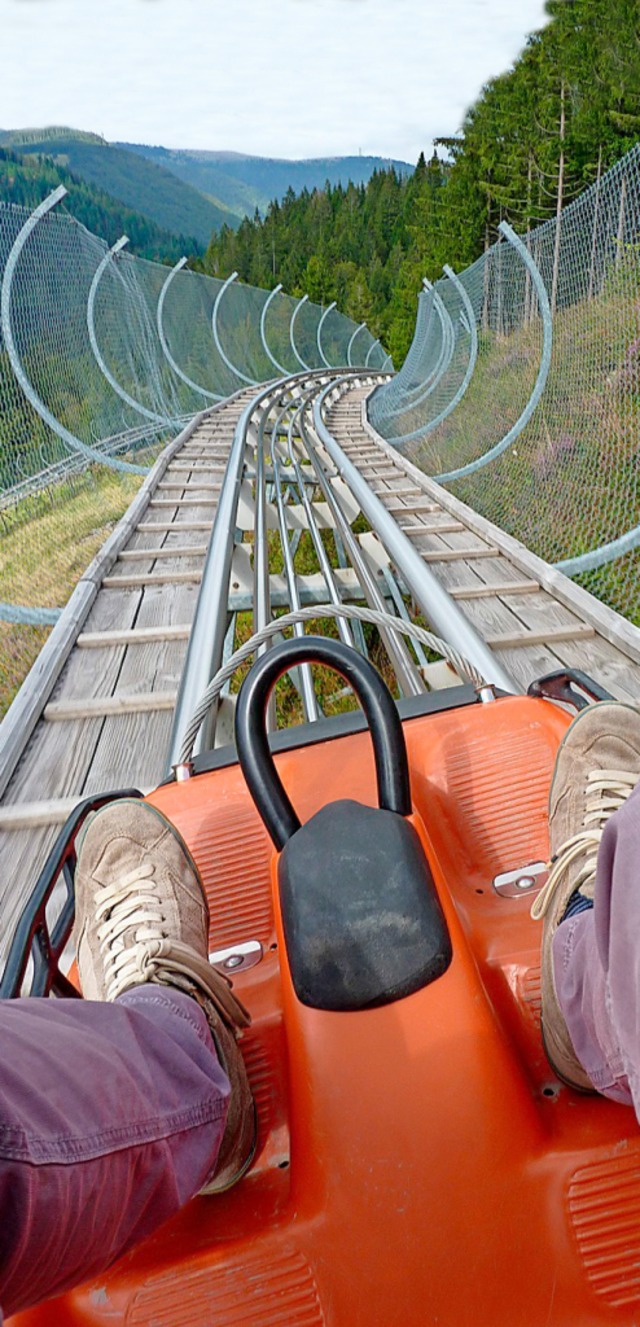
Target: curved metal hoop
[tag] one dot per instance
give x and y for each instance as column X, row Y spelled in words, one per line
column 319, row 335
column 543, row 371
column 113, row 382
column 263, row 335
column 471, row 329
column 351, row 343
column 216, row 336
column 14, row 358
column 294, row 315
column 371, row 350
column 212, row 396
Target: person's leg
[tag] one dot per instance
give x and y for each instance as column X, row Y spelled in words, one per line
column 111, row 1117
column 591, row 905
column 116, row 1110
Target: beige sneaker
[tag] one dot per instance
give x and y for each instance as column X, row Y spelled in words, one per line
column 142, row 916
column 597, row 766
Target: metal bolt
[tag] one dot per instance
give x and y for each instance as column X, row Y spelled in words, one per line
column 233, row 961
column 525, row 882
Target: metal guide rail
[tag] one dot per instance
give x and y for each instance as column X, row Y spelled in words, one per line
column 277, row 500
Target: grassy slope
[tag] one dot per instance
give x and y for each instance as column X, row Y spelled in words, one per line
column 571, row 481
column 44, row 551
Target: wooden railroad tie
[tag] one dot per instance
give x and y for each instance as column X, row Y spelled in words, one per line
column 101, row 707
column 153, row 578
column 153, row 554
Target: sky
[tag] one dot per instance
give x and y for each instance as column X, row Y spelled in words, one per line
column 287, row 78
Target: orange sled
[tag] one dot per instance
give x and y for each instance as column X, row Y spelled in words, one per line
column 418, row 1161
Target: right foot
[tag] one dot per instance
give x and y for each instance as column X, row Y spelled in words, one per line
column 597, row 767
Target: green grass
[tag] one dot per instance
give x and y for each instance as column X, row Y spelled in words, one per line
column 571, row 481
column 47, row 544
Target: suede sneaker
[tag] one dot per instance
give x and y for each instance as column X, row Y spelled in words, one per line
column 142, row 916
column 597, row 767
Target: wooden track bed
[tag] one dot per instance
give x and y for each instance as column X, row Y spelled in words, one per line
column 535, row 619
column 108, row 721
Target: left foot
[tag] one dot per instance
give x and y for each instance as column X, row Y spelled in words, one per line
column 142, row 916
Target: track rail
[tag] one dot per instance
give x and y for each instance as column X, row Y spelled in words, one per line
column 217, row 532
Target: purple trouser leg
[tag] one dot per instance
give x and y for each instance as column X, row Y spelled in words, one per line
column 596, row 960
column 111, row 1117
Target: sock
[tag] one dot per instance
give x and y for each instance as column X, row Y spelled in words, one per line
column 577, row 903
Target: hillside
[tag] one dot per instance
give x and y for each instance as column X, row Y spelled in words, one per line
column 243, row 183
column 140, row 184
column 534, row 139
column 26, row 181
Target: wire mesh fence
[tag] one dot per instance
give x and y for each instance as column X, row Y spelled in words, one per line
column 103, row 358
column 566, row 480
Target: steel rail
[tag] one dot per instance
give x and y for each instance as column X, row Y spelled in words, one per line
column 212, row 396
column 543, row 371
column 335, row 597
column 206, row 641
column 408, row 677
column 443, row 613
column 309, row 703
column 91, row 328
column 263, row 336
column 319, row 335
column 294, row 315
column 252, row 382
column 74, row 443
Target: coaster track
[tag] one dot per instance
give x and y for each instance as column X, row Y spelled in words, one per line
column 212, row 535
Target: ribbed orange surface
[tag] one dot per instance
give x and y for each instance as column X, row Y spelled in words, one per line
column 604, row 1204
column 234, row 854
column 498, row 782
column 530, row 992
column 276, row 1292
column 263, row 1077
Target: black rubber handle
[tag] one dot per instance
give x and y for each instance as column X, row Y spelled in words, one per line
column 563, row 685
column 256, row 761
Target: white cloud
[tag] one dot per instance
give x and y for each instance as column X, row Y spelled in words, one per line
column 288, row 78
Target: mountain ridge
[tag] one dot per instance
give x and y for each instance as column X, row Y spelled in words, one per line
column 243, row 182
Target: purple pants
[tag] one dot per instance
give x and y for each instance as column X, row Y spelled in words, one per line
column 111, row 1117
column 596, row 961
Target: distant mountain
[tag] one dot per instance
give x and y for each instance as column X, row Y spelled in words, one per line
column 187, row 193
column 141, row 184
column 27, row 180
column 244, row 183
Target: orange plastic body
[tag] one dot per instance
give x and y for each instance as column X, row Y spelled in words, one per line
column 418, row 1163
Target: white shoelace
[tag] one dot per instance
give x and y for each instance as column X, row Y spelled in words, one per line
column 131, row 906
column 607, row 789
